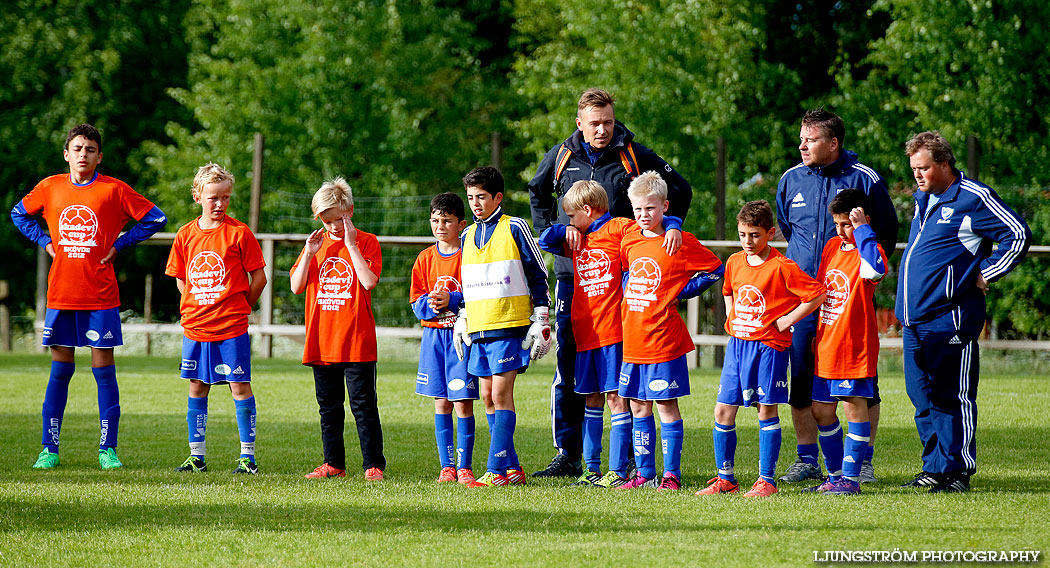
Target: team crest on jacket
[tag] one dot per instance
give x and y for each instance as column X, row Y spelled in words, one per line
column 643, row 279
column 749, row 305
column 946, row 215
column 837, row 284
column 206, row 274
column 335, row 279
column 77, row 228
column 594, row 268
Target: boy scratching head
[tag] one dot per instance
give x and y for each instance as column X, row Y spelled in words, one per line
column 212, row 187
column 584, row 203
column 333, row 204
column 484, row 187
column 83, row 152
column 648, row 195
column 446, row 218
column 754, row 225
column 848, row 210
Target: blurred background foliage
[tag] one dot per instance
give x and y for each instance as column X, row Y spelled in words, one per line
column 403, row 98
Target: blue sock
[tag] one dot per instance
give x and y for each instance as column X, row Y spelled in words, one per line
column 808, row 453
column 108, row 405
column 443, row 435
column 492, row 420
column 465, row 442
column 55, row 403
column 831, row 444
column 856, row 445
column 671, row 436
column 725, row 450
column 644, row 458
column 869, row 452
column 197, row 424
column 501, row 441
column 246, row 426
column 769, row 448
column 619, row 442
column 593, row 422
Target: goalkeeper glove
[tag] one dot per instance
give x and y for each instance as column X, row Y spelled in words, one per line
column 539, row 336
column 460, row 337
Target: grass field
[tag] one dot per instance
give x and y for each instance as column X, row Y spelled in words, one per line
column 145, row 514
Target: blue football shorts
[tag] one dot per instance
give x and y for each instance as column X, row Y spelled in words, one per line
column 753, row 372
column 493, row 356
column 82, row 328
column 598, row 370
column 217, row 362
column 654, row 381
column 440, row 373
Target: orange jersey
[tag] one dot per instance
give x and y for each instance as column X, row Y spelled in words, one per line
column 847, row 333
column 84, row 222
column 597, row 279
column 340, row 327
column 653, row 330
column 214, row 265
column 762, row 294
column 434, row 271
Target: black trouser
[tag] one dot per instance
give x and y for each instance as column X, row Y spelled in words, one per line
column 361, row 386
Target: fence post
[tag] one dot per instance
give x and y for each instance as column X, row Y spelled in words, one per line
column 720, row 234
column 266, row 300
column 257, row 173
column 497, row 151
column 5, row 318
column 972, row 157
column 147, row 311
column 41, row 297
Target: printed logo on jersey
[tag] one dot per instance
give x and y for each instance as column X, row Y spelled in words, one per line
column 837, row 284
column 77, row 228
column 335, row 283
column 749, row 305
column 447, row 284
column 594, row 268
column 642, row 281
column 946, row 215
column 798, row 200
column 206, row 274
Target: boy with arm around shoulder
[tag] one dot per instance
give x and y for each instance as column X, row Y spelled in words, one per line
column 437, row 296
column 765, row 294
column 218, row 267
column 85, row 211
column 847, row 341
column 338, row 267
column 655, row 338
column 504, row 281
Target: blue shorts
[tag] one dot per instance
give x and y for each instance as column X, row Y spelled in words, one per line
column 841, row 388
column 82, row 328
column 655, row 381
column 440, row 373
column 598, row 370
column 217, row 362
column 494, row 356
column 753, row 372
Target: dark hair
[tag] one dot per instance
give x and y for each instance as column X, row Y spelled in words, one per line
column 756, row 214
column 940, row 150
column 827, row 122
column 847, row 200
column 448, row 204
column 87, row 131
column 485, row 177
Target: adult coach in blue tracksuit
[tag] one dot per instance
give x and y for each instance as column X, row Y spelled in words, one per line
column 803, row 195
column 944, row 274
column 602, row 150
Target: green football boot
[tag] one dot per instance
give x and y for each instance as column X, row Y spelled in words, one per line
column 46, row 460
column 108, row 459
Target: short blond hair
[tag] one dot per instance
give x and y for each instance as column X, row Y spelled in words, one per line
column 585, row 192
column 594, row 97
column 649, row 183
column 333, row 193
column 210, row 173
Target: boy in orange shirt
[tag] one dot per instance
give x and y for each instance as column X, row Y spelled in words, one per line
column 218, row 268
column 85, row 212
column 437, row 296
column 847, row 341
column 765, row 294
column 655, row 338
column 338, row 267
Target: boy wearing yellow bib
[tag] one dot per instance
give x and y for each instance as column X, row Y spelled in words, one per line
column 505, row 315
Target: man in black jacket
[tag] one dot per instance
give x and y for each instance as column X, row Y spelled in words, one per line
column 603, row 150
